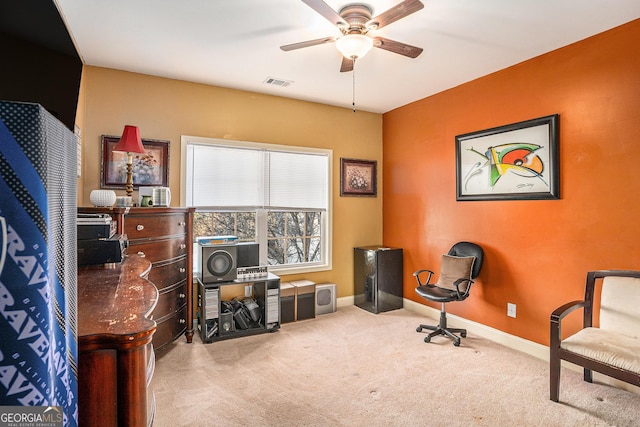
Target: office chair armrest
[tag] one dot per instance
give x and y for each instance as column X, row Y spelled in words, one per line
column 419, row 272
column 457, row 284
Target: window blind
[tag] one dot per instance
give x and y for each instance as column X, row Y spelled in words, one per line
column 222, row 176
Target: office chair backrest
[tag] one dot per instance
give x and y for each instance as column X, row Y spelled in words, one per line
column 469, row 249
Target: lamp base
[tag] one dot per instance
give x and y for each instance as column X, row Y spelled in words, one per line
column 129, row 183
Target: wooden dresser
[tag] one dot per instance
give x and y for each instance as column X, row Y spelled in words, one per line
column 115, row 354
column 164, row 236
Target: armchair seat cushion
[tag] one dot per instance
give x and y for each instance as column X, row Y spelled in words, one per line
column 606, row 346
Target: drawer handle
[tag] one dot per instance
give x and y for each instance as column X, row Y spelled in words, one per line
column 183, row 246
column 182, row 296
column 182, row 270
column 182, row 223
column 183, row 321
column 139, row 227
column 141, row 254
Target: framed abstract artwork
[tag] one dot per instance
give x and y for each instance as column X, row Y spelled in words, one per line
column 513, row 162
column 150, row 169
column 358, row 177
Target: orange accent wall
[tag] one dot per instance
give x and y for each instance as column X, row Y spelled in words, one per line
column 537, row 252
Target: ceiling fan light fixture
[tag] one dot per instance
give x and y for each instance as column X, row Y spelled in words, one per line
column 354, row 46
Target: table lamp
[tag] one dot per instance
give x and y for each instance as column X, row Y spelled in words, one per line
column 130, row 143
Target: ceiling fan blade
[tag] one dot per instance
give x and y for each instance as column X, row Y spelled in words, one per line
column 308, row 43
column 327, row 12
column 347, row 65
column 399, row 11
column 397, row 47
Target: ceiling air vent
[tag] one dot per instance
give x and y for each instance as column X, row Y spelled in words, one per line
column 278, row 82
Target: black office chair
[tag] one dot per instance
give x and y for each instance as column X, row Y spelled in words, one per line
column 459, row 266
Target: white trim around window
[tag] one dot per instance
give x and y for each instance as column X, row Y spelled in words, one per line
column 327, row 238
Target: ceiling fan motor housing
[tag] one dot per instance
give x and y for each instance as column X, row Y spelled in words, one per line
column 356, row 16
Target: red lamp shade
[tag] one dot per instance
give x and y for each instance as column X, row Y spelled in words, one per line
column 130, row 141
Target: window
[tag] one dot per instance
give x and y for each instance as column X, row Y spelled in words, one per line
column 240, row 224
column 293, row 237
column 276, row 195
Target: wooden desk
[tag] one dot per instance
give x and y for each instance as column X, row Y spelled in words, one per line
column 116, row 357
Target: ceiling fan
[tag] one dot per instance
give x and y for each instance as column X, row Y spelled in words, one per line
column 354, row 22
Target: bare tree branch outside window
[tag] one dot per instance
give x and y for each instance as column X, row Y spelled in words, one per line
column 292, row 237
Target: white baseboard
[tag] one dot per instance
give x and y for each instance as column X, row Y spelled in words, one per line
column 345, row 301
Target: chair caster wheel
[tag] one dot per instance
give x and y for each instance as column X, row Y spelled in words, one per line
column 419, row 329
column 463, row 334
column 427, row 339
column 456, row 343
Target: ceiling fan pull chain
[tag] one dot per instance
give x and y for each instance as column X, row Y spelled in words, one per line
column 353, row 97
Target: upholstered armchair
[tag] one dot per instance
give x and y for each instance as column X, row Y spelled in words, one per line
column 610, row 346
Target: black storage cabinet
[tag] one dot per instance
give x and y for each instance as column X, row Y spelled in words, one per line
column 377, row 278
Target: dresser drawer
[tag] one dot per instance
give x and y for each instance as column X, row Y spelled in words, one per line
column 142, row 226
column 169, row 302
column 160, row 249
column 170, row 329
column 166, row 275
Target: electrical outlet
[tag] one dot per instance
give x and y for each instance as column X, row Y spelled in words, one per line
column 511, row 310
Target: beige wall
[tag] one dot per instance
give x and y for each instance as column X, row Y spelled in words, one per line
column 166, row 109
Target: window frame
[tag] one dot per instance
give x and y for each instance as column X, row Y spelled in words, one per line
column 326, row 219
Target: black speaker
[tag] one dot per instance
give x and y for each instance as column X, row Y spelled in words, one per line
column 227, row 324
column 248, row 254
column 218, row 263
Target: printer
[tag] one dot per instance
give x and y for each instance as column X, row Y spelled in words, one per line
column 98, row 242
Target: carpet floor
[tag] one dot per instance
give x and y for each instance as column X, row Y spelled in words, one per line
column 355, row 368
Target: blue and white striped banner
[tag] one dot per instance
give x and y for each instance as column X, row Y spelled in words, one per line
column 38, row 349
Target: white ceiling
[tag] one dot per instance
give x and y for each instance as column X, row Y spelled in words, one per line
column 235, row 43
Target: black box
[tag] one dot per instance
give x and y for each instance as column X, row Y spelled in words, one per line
column 96, row 231
column 287, row 302
column 305, row 299
column 377, row 278
column 102, row 251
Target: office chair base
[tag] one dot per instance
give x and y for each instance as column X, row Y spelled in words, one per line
column 442, row 329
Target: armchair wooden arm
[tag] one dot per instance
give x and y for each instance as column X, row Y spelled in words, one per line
column 556, row 320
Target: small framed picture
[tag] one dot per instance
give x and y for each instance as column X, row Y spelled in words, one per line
column 358, row 177
column 150, row 169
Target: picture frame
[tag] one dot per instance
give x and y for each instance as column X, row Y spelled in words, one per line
column 358, row 177
column 150, row 169
column 518, row 161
